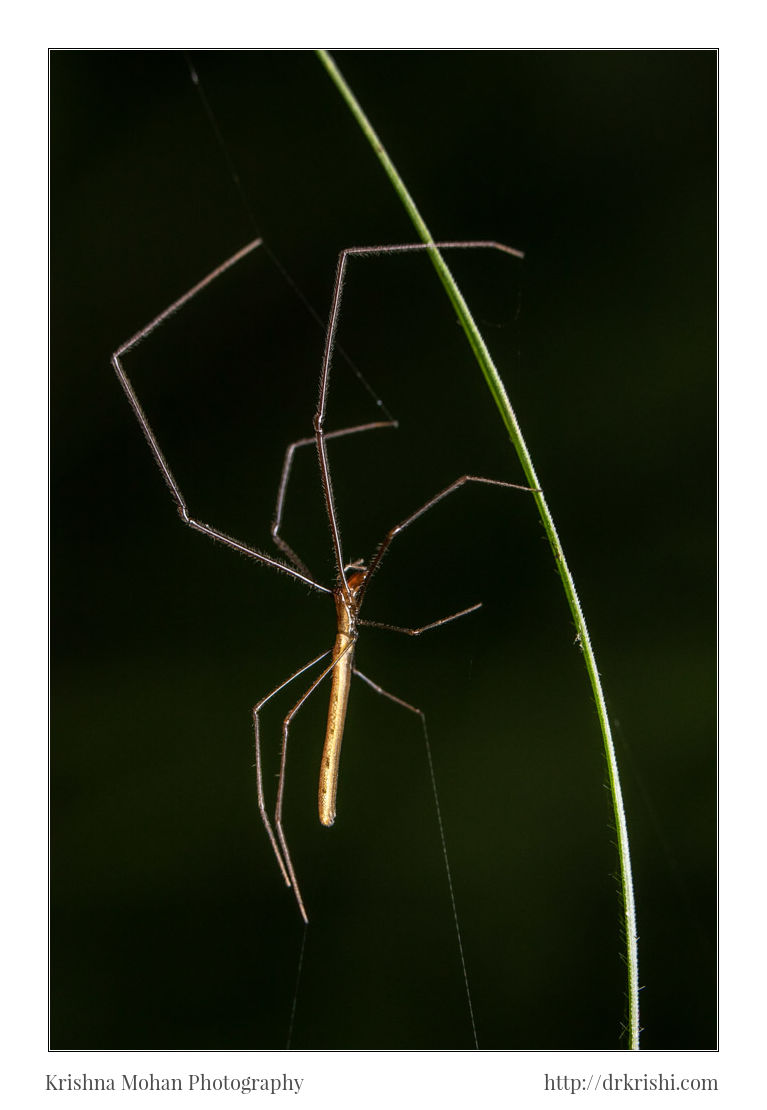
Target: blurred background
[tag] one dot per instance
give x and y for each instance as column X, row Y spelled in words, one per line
column 170, row 925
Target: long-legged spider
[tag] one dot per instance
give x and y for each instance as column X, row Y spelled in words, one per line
column 353, row 579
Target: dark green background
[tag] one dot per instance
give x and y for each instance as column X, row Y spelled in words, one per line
column 170, row 926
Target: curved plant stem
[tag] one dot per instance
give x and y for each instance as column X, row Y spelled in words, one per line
column 498, row 392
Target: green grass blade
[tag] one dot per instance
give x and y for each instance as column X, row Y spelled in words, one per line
column 500, row 396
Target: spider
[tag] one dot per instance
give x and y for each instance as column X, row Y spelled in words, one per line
column 353, row 578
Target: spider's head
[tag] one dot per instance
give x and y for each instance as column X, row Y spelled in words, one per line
column 356, row 573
